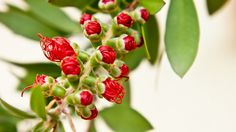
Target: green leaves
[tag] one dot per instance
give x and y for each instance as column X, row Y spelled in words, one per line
column 215, row 5
column 125, row 119
column 153, row 6
column 14, row 111
column 25, row 25
column 182, row 35
column 81, row 4
column 37, row 102
column 151, row 36
column 52, row 15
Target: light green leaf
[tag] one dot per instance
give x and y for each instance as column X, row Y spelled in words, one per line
column 39, row 127
column 81, row 4
column 153, row 6
column 37, row 102
column 182, row 35
column 7, row 125
column 14, row 111
column 145, row 44
column 125, row 119
column 61, row 127
column 151, row 36
column 52, row 15
column 215, row 5
column 25, row 25
column 134, row 58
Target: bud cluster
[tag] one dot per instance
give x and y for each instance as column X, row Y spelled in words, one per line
column 97, row 72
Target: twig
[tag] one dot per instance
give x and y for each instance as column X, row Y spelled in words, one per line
column 132, row 5
column 67, row 113
column 49, row 106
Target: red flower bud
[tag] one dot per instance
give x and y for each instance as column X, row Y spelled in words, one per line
column 70, row 66
column 124, row 19
column 86, row 97
column 141, row 42
column 124, row 70
column 93, row 27
column 85, row 17
column 56, row 49
column 129, row 43
column 144, row 14
column 107, row 1
column 108, row 54
column 94, row 113
column 114, row 92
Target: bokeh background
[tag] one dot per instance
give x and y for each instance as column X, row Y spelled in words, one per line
column 203, row 101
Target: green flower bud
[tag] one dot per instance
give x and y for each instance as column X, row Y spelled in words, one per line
column 58, row 91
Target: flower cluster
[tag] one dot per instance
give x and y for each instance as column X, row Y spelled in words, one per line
column 97, row 72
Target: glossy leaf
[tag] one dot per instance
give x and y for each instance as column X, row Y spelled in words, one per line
column 182, row 35
column 215, row 5
column 14, row 111
column 150, row 33
column 125, row 119
column 134, row 58
column 25, row 25
column 52, row 15
column 153, row 6
column 37, row 102
column 81, row 4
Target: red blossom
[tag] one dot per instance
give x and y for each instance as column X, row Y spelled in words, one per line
column 108, row 54
column 144, row 14
column 114, row 92
column 57, row 48
column 85, row 17
column 70, row 66
column 94, row 113
column 86, row 98
column 93, row 27
column 106, row 1
column 130, row 43
column 124, row 19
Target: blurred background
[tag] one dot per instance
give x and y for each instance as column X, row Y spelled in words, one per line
column 203, row 101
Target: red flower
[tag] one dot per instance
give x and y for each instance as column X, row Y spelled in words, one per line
column 85, row 17
column 124, row 70
column 93, row 27
column 86, row 97
column 108, row 54
column 106, row 1
column 144, row 14
column 39, row 80
column 56, row 49
column 129, row 43
column 94, row 113
column 125, row 20
column 70, row 66
column 114, row 92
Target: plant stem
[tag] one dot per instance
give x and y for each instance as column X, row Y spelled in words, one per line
column 49, row 106
column 67, row 113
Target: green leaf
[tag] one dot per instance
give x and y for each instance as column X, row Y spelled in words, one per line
column 52, row 15
column 81, row 4
column 92, row 127
column 37, row 102
column 153, row 6
column 14, row 111
column 215, row 5
column 7, row 125
column 61, row 127
column 182, row 35
column 134, row 58
column 151, row 36
column 39, row 127
column 145, row 44
column 24, row 25
column 127, row 98
column 125, row 119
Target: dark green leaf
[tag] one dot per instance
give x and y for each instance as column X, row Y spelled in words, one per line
column 24, row 25
column 153, row 6
column 151, row 38
column 52, row 15
column 81, row 4
column 182, row 35
column 125, row 119
column 215, row 5
column 37, row 102
column 134, row 58
column 14, row 111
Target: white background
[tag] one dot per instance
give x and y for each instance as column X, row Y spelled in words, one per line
column 203, row 101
